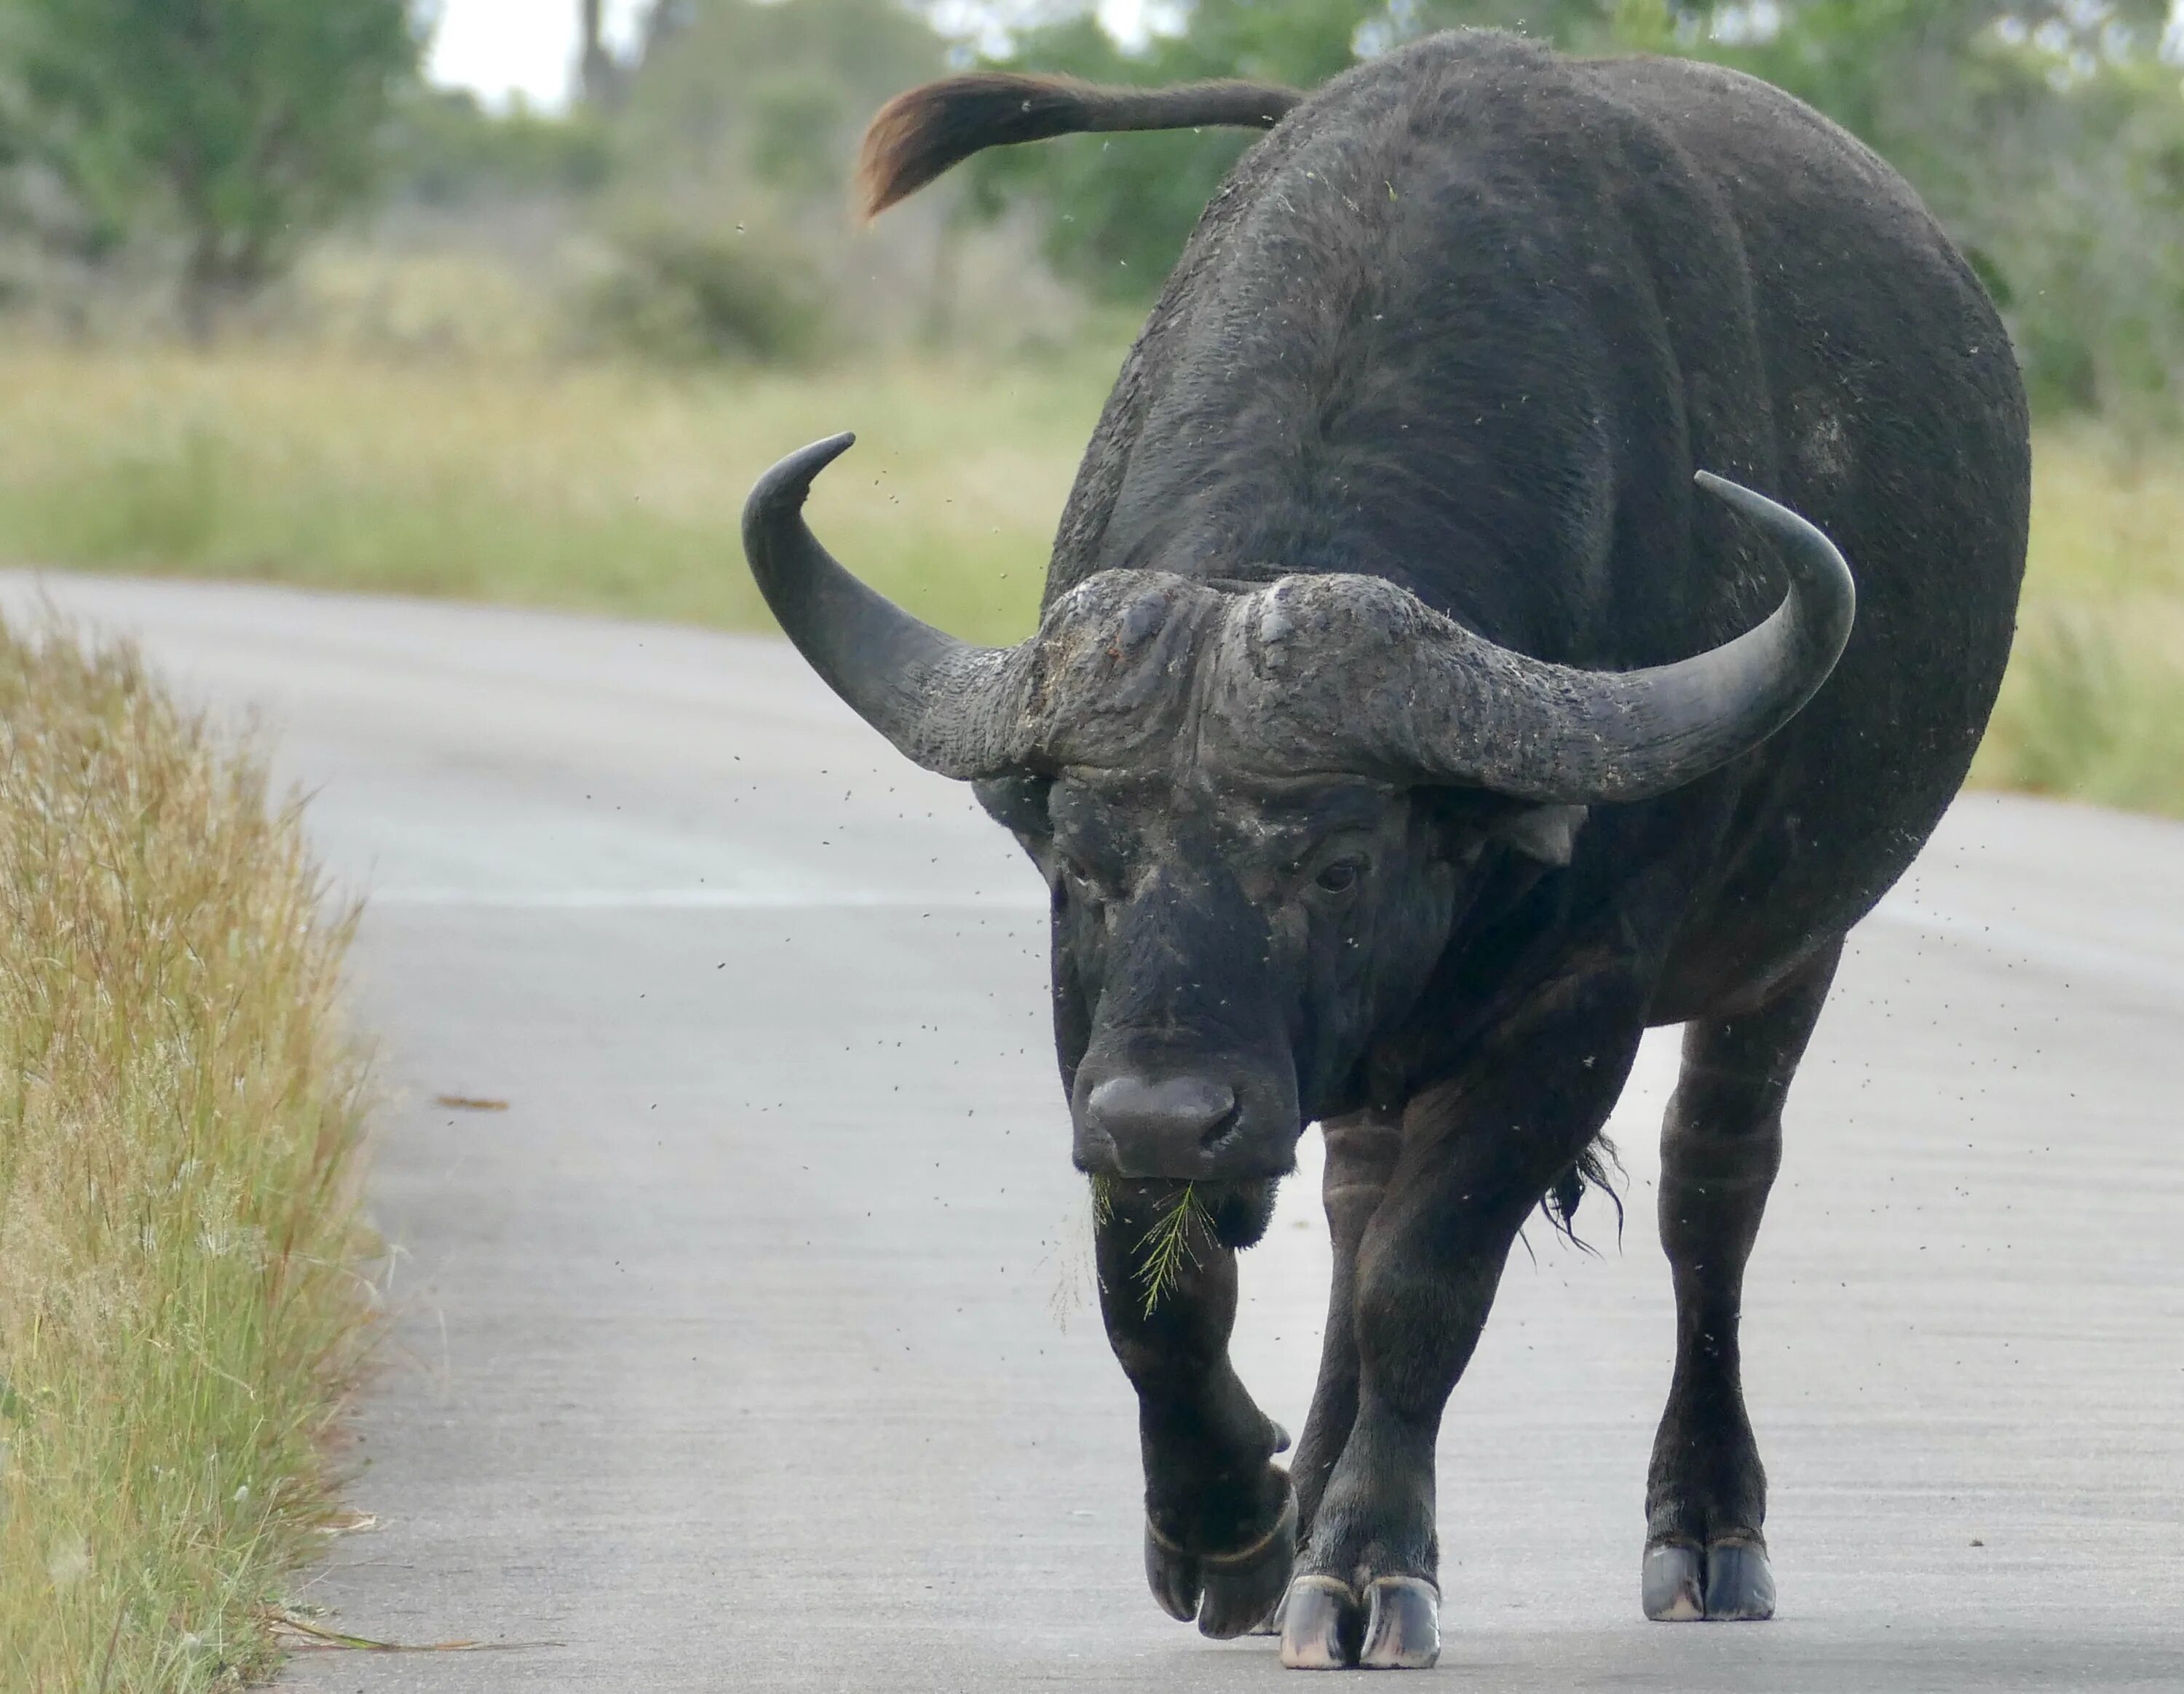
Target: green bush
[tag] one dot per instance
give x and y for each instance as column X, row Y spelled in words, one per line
column 682, row 296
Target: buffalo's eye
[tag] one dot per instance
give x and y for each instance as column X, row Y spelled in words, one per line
column 1081, row 882
column 1339, row 876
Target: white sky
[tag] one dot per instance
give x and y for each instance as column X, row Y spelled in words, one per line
column 504, row 47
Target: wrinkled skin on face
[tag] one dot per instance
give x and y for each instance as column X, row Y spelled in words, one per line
column 1229, row 956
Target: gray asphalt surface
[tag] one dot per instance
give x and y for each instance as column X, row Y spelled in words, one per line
column 751, row 1346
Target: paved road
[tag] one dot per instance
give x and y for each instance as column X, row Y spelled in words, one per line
column 749, row 1347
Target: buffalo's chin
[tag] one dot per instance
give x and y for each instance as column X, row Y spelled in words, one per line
column 1241, row 1210
column 1238, row 1210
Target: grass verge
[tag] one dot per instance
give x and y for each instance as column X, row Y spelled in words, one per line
column 180, row 1310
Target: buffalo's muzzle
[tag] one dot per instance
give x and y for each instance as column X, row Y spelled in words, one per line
column 1187, row 1127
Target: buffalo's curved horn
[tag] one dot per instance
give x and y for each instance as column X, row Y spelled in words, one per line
column 951, row 707
column 1630, row 735
column 1455, row 707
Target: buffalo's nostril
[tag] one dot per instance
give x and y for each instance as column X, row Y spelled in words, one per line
column 1152, row 1123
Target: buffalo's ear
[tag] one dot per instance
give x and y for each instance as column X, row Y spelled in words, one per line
column 1016, row 803
column 1545, row 832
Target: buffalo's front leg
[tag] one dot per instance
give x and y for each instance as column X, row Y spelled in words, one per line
column 1476, row 1156
column 1361, row 1152
column 1220, row 1520
column 1705, row 1496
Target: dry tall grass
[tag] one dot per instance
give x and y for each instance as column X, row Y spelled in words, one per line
column 593, row 486
column 180, row 1304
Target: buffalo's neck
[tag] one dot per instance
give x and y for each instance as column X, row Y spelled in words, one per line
column 1403, row 360
column 1433, row 478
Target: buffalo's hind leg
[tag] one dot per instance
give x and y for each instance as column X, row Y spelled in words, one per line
column 1706, row 1494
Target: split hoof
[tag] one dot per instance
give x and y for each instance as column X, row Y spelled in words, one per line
column 1395, row 1627
column 1172, row 1575
column 1729, row 1582
column 1230, row 1594
column 1402, row 1624
column 1323, row 1624
column 1740, row 1583
column 1673, row 1585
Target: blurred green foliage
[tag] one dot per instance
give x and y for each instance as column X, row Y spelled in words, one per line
column 681, row 295
column 702, row 180
column 778, row 91
column 445, row 149
column 2048, row 134
column 732, row 138
column 2049, row 139
column 236, row 129
column 1116, row 210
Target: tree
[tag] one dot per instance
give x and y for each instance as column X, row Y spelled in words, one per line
column 598, row 75
column 234, row 129
column 1117, row 215
column 734, row 130
column 778, row 91
column 2048, row 137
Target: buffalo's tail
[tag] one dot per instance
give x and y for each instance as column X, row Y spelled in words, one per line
column 1596, row 1167
column 921, row 133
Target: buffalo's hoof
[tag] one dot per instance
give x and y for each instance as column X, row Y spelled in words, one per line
column 1673, row 1587
column 1230, row 1594
column 1729, row 1582
column 1402, row 1624
column 1395, row 1627
column 1323, row 1624
column 1740, row 1583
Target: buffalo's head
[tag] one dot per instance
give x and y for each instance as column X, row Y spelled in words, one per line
column 1259, row 810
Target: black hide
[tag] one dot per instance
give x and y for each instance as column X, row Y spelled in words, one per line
column 1468, row 319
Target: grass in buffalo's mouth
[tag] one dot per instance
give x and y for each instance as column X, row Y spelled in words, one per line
column 1182, row 1225
column 181, row 1305
column 1172, row 1244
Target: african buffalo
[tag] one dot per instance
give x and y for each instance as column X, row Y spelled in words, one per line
column 1407, row 730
